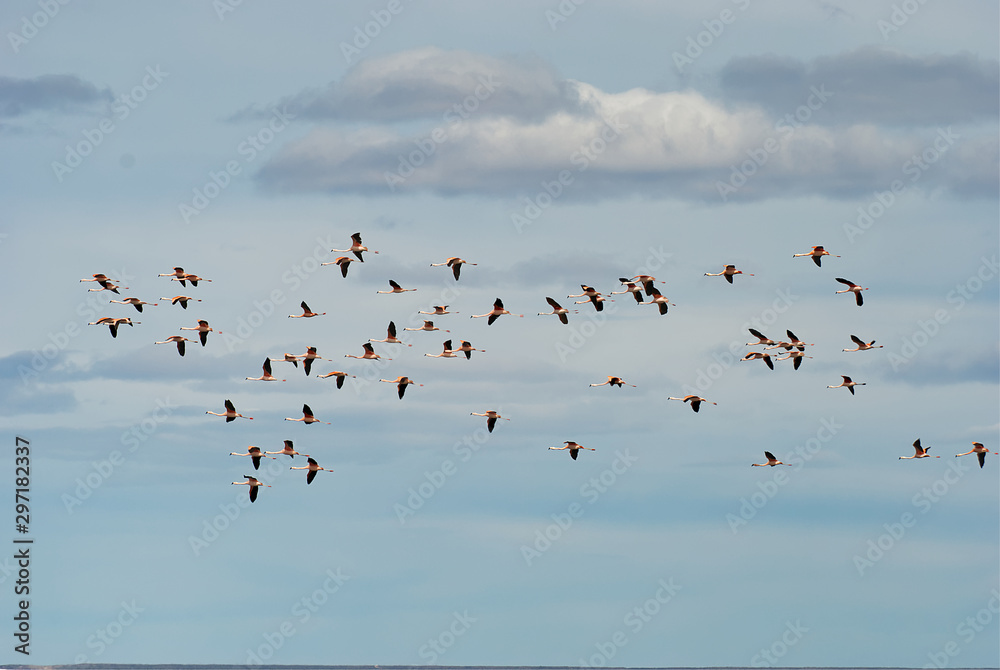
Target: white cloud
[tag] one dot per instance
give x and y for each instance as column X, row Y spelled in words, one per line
column 675, row 144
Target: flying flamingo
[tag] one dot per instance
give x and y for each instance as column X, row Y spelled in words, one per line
column 344, row 262
column 852, row 287
column 438, row 310
column 647, row 282
column 113, row 323
column 135, row 302
column 288, row 450
column 428, row 326
column 308, row 358
column 980, row 451
column 848, row 384
column 341, row 376
column 861, row 344
column 287, row 358
column 313, row 467
column 447, row 353
column 558, row 310
column 179, row 339
column 369, row 354
column 760, row 336
column 356, row 248
column 817, row 254
column 182, row 299
column 796, row 356
column 396, row 288
column 920, row 452
column 194, row 279
column 468, row 349
column 630, row 287
column 658, row 299
column 254, row 485
column 574, row 448
column 753, row 355
column 108, row 286
column 495, row 314
column 615, row 381
column 307, row 417
column 771, row 460
column 306, row 312
column 588, row 292
column 728, row 273
column 401, row 384
column 694, row 400
column 597, row 300
column 100, row 278
column 230, row 412
column 203, row 330
column 177, row 274
column 255, row 455
column 390, row 336
column 491, row 418
column 793, row 343
column 267, row 376
column 455, row 264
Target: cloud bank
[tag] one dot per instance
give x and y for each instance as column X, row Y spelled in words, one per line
column 838, row 126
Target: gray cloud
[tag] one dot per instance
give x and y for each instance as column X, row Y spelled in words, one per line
column 872, row 85
column 428, row 83
column 63, row 93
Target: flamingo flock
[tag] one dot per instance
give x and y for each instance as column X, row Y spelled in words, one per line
column 641, row 287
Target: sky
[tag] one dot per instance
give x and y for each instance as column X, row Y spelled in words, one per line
column 551, row 145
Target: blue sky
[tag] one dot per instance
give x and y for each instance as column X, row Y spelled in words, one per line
column 553, row 144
